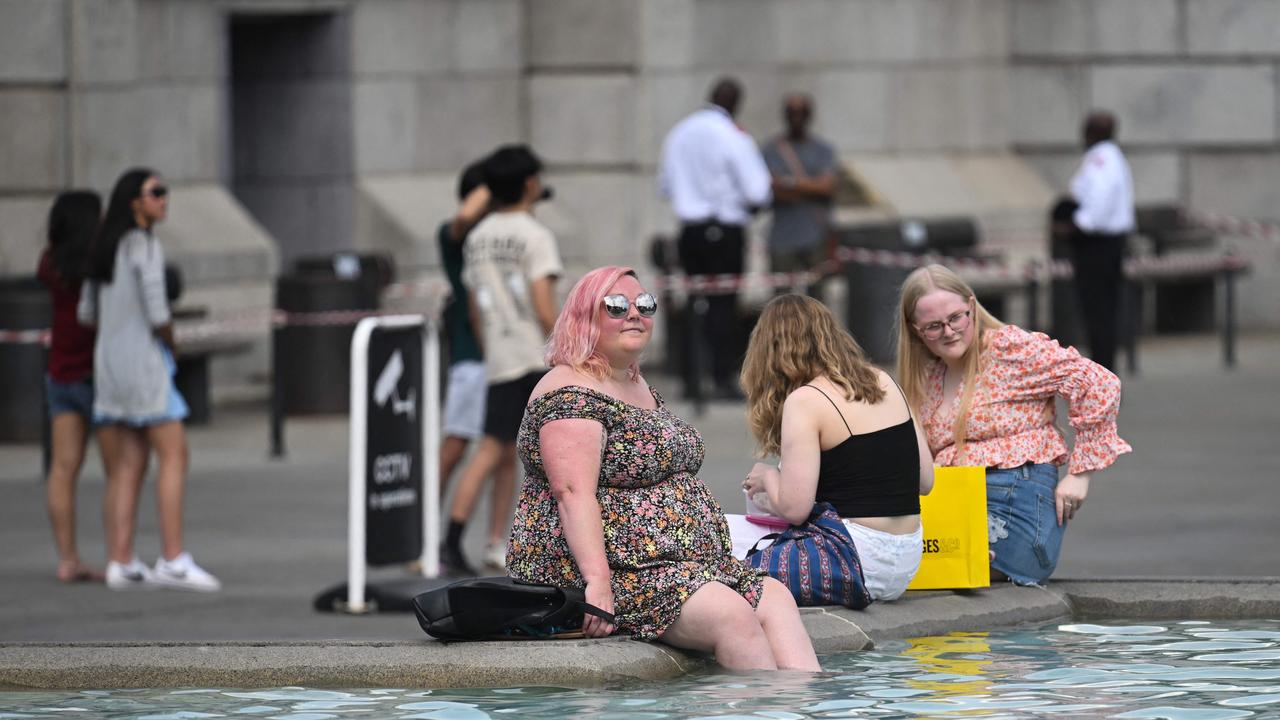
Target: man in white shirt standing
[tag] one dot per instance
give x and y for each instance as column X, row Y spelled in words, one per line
column 714, row 176
column 1103, row 187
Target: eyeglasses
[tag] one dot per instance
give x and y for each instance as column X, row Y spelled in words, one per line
column 617, row 305
column 158, row 191
column 957, row 322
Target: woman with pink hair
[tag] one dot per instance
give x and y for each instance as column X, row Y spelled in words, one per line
column 612, row 502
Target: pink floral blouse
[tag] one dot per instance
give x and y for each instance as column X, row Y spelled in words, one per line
column 1012, row 418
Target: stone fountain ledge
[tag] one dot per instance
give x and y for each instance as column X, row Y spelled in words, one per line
column 425, row 663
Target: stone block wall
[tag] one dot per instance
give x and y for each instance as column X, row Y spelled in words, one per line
column 89, row 87
column 888, row 76
column 437, row 82
column 1195, row 85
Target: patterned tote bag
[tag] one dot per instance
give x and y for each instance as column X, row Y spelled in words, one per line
column 817, row 561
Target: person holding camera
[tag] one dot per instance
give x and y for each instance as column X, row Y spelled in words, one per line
column 511, row 263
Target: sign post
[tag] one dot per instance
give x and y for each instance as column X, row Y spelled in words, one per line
column 394, row 444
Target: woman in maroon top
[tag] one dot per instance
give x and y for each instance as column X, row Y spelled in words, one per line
column 69, row 384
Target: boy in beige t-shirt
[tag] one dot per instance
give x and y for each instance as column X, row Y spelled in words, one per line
column 511, row 266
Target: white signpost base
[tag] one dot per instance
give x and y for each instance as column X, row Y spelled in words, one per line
column 356, row 489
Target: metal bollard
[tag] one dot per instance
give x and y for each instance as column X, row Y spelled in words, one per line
column 277, row 398
column 1131, row 298
column 1033, row 295
column 698, row 354
column 1229, row 322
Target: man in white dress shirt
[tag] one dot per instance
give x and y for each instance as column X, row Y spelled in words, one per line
column 714, row 176
column 1103, row 187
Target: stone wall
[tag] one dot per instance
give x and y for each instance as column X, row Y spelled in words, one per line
column 1194, row 84
column 88, row 87
column 608, row 79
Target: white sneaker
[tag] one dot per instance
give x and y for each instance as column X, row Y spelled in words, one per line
column 495, row 556
column 133, row 575
column 182, row 573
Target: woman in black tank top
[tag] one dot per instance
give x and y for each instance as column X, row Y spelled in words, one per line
column 802, row 372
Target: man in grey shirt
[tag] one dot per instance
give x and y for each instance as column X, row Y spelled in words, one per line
column 804, row 181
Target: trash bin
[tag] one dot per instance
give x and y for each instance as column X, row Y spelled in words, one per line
column 1181, row 305
column 872, row 294
column 374, row 269
column 313, row 359
column 24, row 305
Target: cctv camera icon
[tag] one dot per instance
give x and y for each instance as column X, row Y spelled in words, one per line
column 386, row 389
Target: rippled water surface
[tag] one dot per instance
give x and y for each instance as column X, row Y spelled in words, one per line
column 1196, row 670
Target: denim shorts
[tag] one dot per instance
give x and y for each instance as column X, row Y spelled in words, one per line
column 888, row 561
column 464, row 400
column 1022, row 521
column 73, row 397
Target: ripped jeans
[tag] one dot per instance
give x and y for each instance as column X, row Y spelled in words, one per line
column 1022, row 522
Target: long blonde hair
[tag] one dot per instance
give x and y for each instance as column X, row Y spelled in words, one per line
column 914, row 357
column 797, row 339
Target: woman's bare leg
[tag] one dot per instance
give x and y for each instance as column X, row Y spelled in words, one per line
column 780, row 619
column 170, row 443
column 69, row 433
column 124, row 450
column 717, row 620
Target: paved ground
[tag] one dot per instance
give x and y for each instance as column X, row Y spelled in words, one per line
column 1196, row 498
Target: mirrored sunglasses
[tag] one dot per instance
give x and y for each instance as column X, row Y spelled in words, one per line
column 617, row 305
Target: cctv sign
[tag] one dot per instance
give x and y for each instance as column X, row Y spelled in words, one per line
column 393, row 446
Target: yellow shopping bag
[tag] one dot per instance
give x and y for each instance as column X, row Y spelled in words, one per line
column 954, row 517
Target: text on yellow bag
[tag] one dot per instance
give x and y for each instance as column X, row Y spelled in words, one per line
column 954, row 516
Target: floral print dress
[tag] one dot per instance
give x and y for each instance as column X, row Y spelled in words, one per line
column 665, row 535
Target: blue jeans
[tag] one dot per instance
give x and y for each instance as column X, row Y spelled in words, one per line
column 1022, row 521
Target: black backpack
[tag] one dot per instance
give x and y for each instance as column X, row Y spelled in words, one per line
column 495, row 608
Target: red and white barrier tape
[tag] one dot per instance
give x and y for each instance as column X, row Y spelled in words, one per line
column 256, row 323
column 1228, row 225
column 24, row 337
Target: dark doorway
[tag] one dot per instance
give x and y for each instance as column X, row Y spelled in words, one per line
column 291, row 129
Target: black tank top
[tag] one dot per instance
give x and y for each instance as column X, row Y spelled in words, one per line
column 875, row 474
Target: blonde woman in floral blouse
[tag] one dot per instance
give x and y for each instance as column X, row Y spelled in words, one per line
column 612, row 503
column 985, row 394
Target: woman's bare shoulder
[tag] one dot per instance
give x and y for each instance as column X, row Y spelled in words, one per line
column 893, row 394
column 807, row 397
column 562, row 376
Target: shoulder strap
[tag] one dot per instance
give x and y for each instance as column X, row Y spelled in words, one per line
column 789, row 157
column 904, row 397
column 833, row 404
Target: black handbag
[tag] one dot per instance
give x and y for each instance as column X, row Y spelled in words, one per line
column 496, row 608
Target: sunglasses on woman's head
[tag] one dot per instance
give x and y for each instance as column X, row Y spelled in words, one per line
column 618, row 305
column 158, row 191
